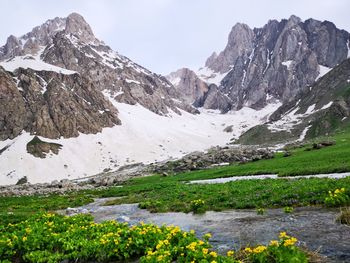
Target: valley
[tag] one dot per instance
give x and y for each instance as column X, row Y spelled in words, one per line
column 246, row 159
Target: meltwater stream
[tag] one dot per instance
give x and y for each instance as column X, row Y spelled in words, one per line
column 315, row 227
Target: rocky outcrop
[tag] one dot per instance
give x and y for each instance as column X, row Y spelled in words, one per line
column 52, row 105
column 213, row 157
column 239, row 45
column 12, row 108
column 276, row 62
column 214, row 99
column 40, row 149
column 188, row 84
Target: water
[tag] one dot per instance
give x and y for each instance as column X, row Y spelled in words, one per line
column 315, row 227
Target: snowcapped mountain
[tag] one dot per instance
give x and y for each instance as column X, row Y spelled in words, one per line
column 276, row 62
column 93, row 109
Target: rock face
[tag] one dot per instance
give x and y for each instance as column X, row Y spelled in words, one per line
column 188, row 84
column 275, row 62
column 64, row 81
column 319, row 111
column 52, row 105
column 39, row 148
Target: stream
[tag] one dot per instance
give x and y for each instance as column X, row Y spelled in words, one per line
column 314, row 227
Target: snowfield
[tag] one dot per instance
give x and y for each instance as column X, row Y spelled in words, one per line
column 143, row 137
column 33, row 62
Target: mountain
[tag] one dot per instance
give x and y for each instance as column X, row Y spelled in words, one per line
column 72, row 107
column 274, row 63
column 63, row 71
column 320, row 110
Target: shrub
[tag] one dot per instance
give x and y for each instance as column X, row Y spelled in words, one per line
column 288, row 209
column 282, row 250
column 260, row 211
column 337, row 198
column 197, row 206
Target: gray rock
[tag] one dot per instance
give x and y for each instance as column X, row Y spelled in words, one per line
column 276, row 62
column 188, row 84
column 22, row 180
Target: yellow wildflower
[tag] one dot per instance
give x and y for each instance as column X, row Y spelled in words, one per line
column 259, row 249
column 207, row 235
column 213, row 254
column 205, row 251
column 274, row 243
column 230, row 253
column 24, row 238
column 248, row 250
column 290, row 242
column 283, row 235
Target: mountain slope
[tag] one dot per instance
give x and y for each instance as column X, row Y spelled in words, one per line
column 68, row 47
column 321, row 110
column 275, row 62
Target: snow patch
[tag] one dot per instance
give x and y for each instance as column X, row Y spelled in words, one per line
column 327, row 105
column 133, row 81
column 210, row 76
column 310, row 109
column 323, row 71
column 33, row 62
column 303, row 134
column 136, row 140
column 287, row 63
column 174, row 80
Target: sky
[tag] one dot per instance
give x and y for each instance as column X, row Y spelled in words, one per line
column 165, row 35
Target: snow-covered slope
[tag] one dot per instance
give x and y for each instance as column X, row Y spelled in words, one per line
column 32, row 62
column 143, row 137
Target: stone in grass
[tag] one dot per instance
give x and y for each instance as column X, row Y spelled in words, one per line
column 287, row 154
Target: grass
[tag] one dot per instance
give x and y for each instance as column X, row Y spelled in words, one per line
column 15, row 209
column 160, row 194
column 240, row 194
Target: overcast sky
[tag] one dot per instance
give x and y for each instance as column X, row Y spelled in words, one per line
column 164, row 35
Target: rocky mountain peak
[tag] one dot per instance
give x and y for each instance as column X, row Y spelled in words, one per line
column 293, row 20
column 240, row 43
column 77, row 26
column 273, row 63
column 44, row 34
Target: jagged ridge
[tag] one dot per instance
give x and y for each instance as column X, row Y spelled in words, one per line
column 275, row 62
